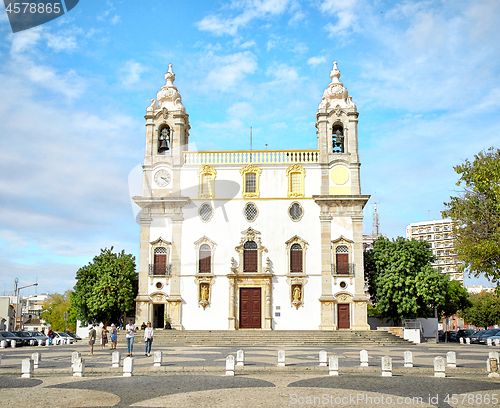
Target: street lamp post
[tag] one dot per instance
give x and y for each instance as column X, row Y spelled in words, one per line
column 16, row 290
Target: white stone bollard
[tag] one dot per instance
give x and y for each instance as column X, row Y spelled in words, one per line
column 281, row 358
column 40, row 343
column 3, row 344
column 363, row 357
column 36, row 357
column 74, row 356
column 492, row 364
column 115, row 359
column 408, row 358
column 128, row 366
column 467, row 340
column 13, row 343
column 439, row 367
column 386, row 366
column 230, row 365
column 78, row 367
column 461, row 340
column 451, row 359
column 323, row 358
column 157, row 358
column 491, row 354
column 489, row 342
column 27, row 368
column 240, row 358
column 497, row 342
column 333, row 365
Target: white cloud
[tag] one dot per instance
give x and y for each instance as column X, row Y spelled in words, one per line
column 130, row 74
column 25, row 40
column 61, row 42
column 346, row 13
column 249, row 10
column 115, row 20
column 283, row 73
column 316, row 60
column 228, row 70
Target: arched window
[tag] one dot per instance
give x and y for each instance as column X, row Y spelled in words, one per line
column 296, row 258
column 163, row 139
column 338, row 139
column 342, row 259
column 205, row 261
column 250, row 257
column 206, row 186
column 160, row 262
column 250, row 180
column 295, row 176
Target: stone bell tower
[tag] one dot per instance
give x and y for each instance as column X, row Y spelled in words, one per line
column 167, row 136
column 341, row 203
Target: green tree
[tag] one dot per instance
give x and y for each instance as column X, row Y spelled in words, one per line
column 53, row 311
column 484, row 310
column 456, row 300
column 477, row 211
column 403, row 283
column 106, row 287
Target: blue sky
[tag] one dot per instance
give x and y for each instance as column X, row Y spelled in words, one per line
column 74, row 91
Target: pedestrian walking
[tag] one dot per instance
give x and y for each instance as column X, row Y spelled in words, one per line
column 148, row 338
column 50, row 334
column 130, row 330
column 114, row 336
column 104, row 337
column 92, row 334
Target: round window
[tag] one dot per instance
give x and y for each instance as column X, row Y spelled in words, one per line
column 159, row 285
column 206, row 212
column 250, row 211
column 343, row 285
column 295, row 211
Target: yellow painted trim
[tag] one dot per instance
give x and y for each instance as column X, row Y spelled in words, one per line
column 257, row 198
column 296, row 168
column 209, row 172
column 250, row 169
column 340, row 190
column 251, row 151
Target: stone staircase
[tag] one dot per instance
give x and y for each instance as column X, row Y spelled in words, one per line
column 272, row 338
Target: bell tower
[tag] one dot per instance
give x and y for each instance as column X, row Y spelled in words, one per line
column 337, row 130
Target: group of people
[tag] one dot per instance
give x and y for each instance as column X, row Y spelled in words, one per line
column 130, row 331
column 113, row 334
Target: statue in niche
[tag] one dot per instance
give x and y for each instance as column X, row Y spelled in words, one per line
column 204, row 293
column 297, row 294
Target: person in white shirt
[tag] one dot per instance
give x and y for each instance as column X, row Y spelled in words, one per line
column 148, row 338
column 130, row 329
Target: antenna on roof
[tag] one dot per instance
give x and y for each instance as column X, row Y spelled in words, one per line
column 250, row 144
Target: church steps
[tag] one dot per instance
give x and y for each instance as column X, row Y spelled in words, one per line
column 274, row 338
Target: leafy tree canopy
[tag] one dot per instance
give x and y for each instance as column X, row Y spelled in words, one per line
column 477, row 211
column 402, row 282
column 106, row 287
column 456, row 299
column 53, row 311
column 484, row 310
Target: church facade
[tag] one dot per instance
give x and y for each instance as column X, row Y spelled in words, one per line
column 268, row 240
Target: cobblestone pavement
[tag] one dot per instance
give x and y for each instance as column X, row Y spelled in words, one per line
column 194, row 377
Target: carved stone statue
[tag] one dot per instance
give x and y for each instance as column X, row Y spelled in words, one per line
column 296, row 294
column 204, row 293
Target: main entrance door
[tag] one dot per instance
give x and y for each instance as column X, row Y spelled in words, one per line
column 158, row 318
column 250, row 306
column 343, row 314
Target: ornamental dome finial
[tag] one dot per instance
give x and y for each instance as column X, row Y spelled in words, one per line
column 170, row 76
column 335, row 74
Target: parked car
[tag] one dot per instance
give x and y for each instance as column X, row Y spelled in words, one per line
column 74, row 335
column 28, row 339
column 489, row 333
column 61, row 338
column 42, row 338
column 450, row 336
column 495, row 337
column 464, row 333
column 8, row 336
column 474, row 339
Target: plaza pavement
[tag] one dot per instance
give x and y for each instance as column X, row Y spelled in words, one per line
column 194, row 376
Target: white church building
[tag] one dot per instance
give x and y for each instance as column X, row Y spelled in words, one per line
column 268, row 240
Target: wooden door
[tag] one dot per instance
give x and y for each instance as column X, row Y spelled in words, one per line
column 343, row 314
column 343, row 263
column 250, row 308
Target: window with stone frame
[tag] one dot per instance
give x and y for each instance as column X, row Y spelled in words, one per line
column 295, row 175
column 206, row 187
column 296, row 254
column 295, row 183
column 250, row 257
column 205, row 259
column 160, row 261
